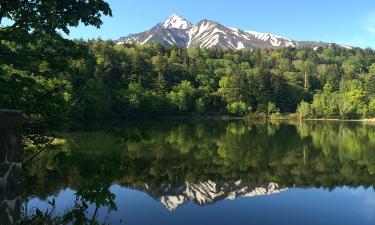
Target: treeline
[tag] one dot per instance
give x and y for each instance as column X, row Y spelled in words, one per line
column 61, row 81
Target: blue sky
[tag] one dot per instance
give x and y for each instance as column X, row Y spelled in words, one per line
column 349, row 22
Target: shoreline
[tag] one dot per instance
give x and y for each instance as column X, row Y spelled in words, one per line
column 371, row 120
column 283, row 118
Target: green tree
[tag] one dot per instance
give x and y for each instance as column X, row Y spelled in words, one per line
column 304, row 110
column 329, row 73
column 261, row 84
column 272, row 108
column 234, row 88
column 136, row 96
column 182, row 96
column 95, row 101
column 351, row 68
column 238, row 108
column 308, row 69
column 370, row 80
column 325, row 102
column 371, row 106
column 38, row 66
column 200, row 106
column 350, row 98
column 52, row 15
column 160, row 66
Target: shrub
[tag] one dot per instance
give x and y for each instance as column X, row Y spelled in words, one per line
column 238, row 108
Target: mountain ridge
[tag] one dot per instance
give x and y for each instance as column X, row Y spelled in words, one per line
column 176, row 30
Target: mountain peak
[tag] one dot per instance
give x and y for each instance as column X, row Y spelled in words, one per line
column 176, row 21
column 210, row 34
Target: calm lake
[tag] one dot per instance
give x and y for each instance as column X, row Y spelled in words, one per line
column 211, row 172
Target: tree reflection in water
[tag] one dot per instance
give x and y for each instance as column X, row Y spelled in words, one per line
column 163, row 157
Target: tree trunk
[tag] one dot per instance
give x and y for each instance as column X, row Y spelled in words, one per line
column 10, row 166
column 306, row 85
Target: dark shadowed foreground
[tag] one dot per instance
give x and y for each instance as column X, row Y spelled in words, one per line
column 10, row 167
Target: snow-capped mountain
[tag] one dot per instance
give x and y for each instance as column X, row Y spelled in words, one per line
column 209, row 34
column 176, row 21
column 207, row 192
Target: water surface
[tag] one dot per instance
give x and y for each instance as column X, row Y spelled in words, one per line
column 211, row 172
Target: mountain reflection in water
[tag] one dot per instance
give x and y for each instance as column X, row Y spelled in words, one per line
column 207, row 161
column 206, row 192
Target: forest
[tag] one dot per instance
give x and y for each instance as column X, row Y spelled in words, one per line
column 58, row 82
column 63, row 81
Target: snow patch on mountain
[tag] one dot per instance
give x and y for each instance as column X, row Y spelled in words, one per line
column 172, row 39
column 165, row 39
column 259, row 35
column 176, row 21
column 149, row 37
column 346, row 46
column 240, row 45
column 275, row 40
column 203, row 28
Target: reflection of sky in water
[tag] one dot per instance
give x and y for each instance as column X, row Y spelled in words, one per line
column 64, row 199
column 344, row 206
column 369, row 207
column 367, row 199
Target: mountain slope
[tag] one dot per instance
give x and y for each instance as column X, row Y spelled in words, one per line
column 209, row 34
